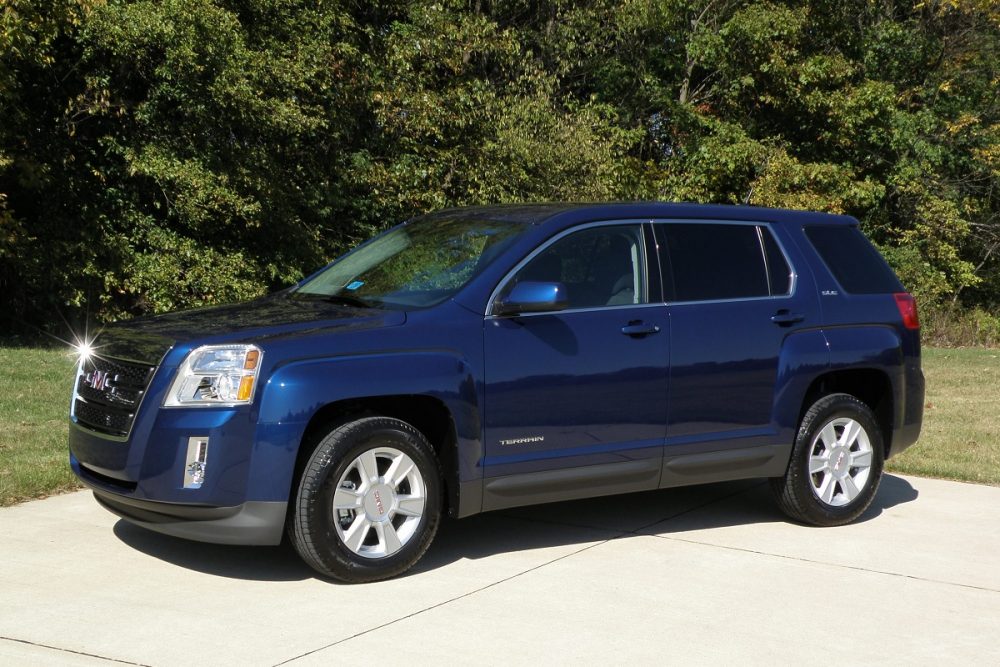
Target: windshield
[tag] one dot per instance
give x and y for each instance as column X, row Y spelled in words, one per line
column 413, row 266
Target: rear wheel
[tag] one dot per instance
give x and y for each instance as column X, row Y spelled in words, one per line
column 836, row 463
column 369, row 501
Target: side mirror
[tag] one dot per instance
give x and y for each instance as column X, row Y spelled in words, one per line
column 532, row 297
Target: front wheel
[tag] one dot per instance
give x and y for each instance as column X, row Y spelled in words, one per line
column 836, row 463
column 369, row 501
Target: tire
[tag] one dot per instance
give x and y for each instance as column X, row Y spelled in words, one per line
column 836, row 463
column 385, row 480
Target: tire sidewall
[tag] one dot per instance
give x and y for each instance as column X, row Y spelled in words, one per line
column 821, row 413
column 319, row 482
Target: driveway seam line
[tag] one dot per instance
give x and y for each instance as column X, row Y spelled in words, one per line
column 639, row 532
column 616, row 534
column 446, row 602
column 69, row 650
column 823, row 562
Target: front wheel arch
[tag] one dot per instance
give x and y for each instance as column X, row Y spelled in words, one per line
column 429, row 415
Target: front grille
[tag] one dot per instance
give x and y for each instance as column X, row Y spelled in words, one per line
column 108, row 394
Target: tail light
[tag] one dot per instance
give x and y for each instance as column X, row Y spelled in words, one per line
column 907, row 309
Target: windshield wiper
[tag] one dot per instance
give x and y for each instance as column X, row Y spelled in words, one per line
column 347, row 300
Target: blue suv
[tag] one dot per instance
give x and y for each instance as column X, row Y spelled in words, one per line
column 483, row 358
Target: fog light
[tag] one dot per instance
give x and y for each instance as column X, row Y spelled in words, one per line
column 194, row 466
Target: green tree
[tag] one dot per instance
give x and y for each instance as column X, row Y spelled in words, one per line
column 158, row 155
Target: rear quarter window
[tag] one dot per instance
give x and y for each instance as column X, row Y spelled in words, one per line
column 853, row 260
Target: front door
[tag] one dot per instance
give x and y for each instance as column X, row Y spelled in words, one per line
column 576, row 400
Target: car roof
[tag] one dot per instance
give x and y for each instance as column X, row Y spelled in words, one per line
column 562, row 214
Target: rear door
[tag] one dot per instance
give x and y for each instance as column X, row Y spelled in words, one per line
column 576, row 399
column 734, row 297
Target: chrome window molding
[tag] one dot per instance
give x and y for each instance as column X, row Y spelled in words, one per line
column 792, row 283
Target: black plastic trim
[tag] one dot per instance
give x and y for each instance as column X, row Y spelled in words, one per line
column 725, row 465
column 570, row 483
column 252, row 523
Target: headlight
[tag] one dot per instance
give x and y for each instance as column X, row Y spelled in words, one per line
column 216, row 375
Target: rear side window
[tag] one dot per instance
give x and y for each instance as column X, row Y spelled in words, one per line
column 853, row 260
column 779, row 274
column 708, row 262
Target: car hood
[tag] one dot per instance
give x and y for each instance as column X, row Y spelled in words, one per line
column 147, row 339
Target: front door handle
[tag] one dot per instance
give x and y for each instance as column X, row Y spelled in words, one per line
column 639, row 328
column 786, row 318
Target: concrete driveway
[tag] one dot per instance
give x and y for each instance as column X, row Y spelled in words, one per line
column 708, row 575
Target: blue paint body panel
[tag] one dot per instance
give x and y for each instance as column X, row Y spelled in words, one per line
column 524, row 395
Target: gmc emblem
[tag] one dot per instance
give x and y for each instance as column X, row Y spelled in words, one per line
column 99, row 380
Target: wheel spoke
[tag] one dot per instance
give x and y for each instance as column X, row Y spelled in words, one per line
column 826, row 489
column 398, row 471
column 849, row 488
column 828, row 436
column 368, row 466
column 818, row 464
column 861, row 459
column 851, row 432
column 356, row 534
column 346, row 499
column 410, row 505
column 387, row 537
column 365, row 503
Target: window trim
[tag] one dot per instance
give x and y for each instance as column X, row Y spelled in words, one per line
column 793, row 275
column 646, row 264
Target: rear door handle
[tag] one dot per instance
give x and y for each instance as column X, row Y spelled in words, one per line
column 639, row 328
column 786, row 318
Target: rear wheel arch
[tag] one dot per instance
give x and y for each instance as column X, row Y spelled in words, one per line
column 870, row 386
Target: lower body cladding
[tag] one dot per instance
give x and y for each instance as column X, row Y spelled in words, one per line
column 252, row 523
column 631, row 476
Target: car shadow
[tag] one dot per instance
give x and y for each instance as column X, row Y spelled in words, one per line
column 664, row 512
column 277, row 563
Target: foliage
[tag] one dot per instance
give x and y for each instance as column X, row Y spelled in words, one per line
column 161, row 154
column 952, row 327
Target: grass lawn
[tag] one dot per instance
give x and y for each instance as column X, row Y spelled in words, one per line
column 34, row 404
column 960, row 438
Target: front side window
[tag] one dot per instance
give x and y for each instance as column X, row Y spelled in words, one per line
column 599, row 266
column 413, row 266
column 711, row 261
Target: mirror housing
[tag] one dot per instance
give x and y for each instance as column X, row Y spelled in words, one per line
column 532, row 297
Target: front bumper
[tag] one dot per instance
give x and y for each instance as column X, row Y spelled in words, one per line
column 244, row 496
column 252, row 523
column 151, row 464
